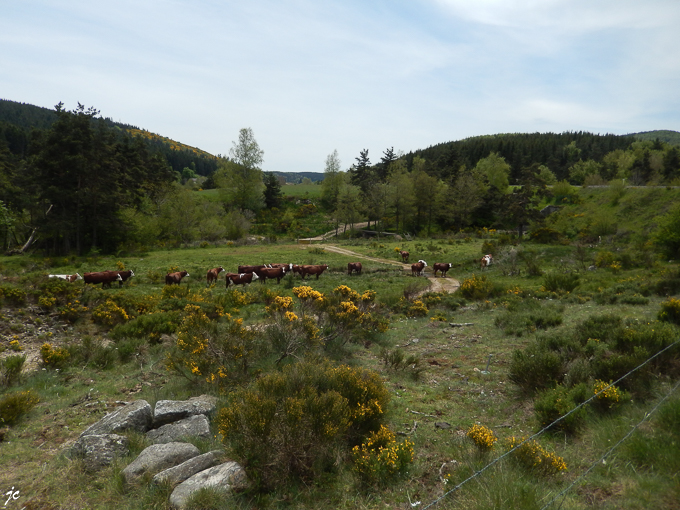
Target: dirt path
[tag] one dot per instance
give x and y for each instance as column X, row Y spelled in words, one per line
column 341, row 230
column 436, row 284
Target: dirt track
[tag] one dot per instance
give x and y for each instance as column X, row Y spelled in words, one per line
column 436, row 284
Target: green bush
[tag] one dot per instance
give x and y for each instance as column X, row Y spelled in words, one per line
column 13, row 295
column 535, row 368
column 14, row 405
column 10, row 369
column 479, row 287
column 296, row 424
column 54, row 358
column 150, row 326
column 557, row 402
column 602, row 327
column 556, row 282
column 380, row 457
column 604, row 258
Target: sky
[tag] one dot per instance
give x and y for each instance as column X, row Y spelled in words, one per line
column 313, row 76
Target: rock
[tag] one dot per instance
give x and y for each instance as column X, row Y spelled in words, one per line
column 178, row 474
column 167, row 411
column 134, row 416
column 157, row 458
column 99, row 450
column 224, row 477
column 194, row 426
column 442, row 425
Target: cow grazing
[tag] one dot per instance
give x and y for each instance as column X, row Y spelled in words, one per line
column 68, row 277
column 309, row 269
column 441, row 266
column 486, row 261
column 103, row 277
column 289, row 267
column 240, row 279
column 271, row 273
column 213, row 274
column 353, row 266
column 418, row 267
column 124, row 276
column 175, row 278
column 404, row 256
column 296, row 269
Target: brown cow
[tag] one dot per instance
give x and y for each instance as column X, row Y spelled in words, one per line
column 240, row 279
column 213, row 274
column 271, row 273
column 353, row 266
column 441, row 266
column 103, row 277
column 175, row 278
column 309, row 269
column 404, row 256
column 418, row 267
column 296, row 269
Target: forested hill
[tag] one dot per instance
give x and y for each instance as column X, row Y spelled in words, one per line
column 17, row 120
column 521, row 150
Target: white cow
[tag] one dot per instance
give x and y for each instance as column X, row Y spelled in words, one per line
column 67, row 277
column 486, row 261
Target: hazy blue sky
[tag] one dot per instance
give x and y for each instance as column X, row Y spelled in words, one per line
column 311, row 76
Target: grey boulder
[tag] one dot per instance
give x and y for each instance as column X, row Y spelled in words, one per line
column 167, row 411
column 99, row 450
column 157, row 458
column 194, row 426
column 178, row 474
column 134, row 416
column 225, row 477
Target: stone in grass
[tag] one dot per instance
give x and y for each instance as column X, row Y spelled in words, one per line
column 225, row 477
column 99, row 450
column 134, row 416
column 157, row 458
column 167, row 411
column 194, row 426
column 178, row 474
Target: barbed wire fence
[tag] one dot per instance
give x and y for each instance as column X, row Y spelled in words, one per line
column 558, row 420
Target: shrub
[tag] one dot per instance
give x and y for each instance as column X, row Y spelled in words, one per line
column 607, row 397
column 482, row 436
column 557, row 402
column 10, row 369
column 380, row 457
column 71, row 311
column 529, row 315
column 294, row 424
column 54, row 358
column 535, row 368
column 150, row 326
column 556, row 282
column 604, row 258
column 545, row 235
column 533, row 457
column 13, row 295
column 477, row 287
column 14, row 405
column 417, row 309
column 109, row 314
column 670, row 311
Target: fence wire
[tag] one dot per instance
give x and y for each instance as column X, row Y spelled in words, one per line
column 544, row 429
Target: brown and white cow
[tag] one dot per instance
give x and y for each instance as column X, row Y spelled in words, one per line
column 404, row 256
column 175, row 278
column 213, row 274
column 68, row 277
column 353, row 266
column 418, row 267
column 441, row 266
column 103, row 277
column 311, row 269
column 124, row 276
column 240, row 278
column 485, row 261
column 250, row 269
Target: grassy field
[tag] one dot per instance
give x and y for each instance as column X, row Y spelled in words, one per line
column 461, row 376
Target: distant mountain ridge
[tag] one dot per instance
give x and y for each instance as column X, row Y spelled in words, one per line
column 664, row 135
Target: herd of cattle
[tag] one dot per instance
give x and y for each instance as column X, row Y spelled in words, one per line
column 247, row 274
